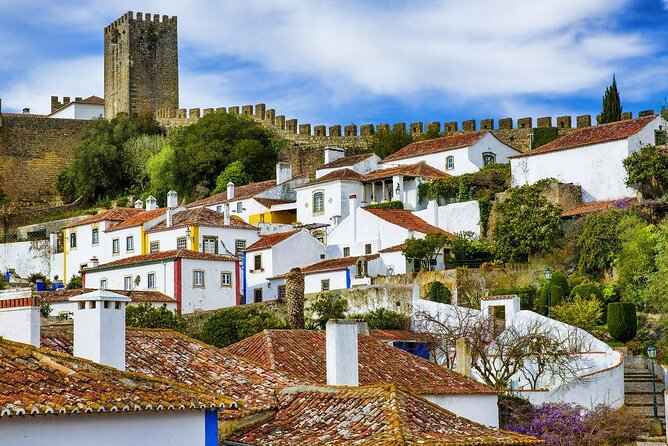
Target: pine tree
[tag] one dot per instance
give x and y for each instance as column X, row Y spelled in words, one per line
column 612, row 107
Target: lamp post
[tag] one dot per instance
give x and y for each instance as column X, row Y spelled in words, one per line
column 548, row 277
column 651, row 354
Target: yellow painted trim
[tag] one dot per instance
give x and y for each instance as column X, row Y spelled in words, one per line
column 194, row 242
column 65, row 242
column 144, row 240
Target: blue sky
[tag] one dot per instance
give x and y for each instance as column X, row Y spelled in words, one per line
column 348, row 61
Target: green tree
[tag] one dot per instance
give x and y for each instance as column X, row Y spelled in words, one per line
column 612, row 106
column 425, row 250
column 527, row 224
column 652, row 296
column 559, row 292
column 647, row 171
column 383, row 319
column 581, row 312
column 622, row 321
column 146, row 315
column 234, row 172
column 599, row 243
column 465, row 247
column 138, row 151
column 161, row 172
column 229, row 325
column 635, row 262
column 438, row 292
column 325, row 307
column 74, row 283
column 385, row 142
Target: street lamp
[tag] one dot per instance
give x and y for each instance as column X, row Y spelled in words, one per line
column 651, row 354
column 548, row 277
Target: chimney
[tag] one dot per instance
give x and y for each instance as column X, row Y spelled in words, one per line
column 226, row 214
column 230, row 190
column 139, row 204
column 94, row 262
column 342, row 353
column 283, row 172
column 432, row 213
column 26, row 110
column 151, row 203
column 19, row 317
column 172, row 199
column 463, row 358
column 352, row 212
column 333, row 153
column 99, row 327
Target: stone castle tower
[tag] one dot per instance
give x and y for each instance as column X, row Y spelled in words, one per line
column 141, row 69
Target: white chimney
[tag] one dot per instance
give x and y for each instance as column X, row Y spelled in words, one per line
column 333, row 153
column 139, row 204
column 19, row 317
column 151, row 203
column 226, row 214
column 283, row 172
column 93, row 262
column 99, row 327
column 172, row 199
column 230, row 190
column 352, row 212
column 342, row 353
column 432, row 213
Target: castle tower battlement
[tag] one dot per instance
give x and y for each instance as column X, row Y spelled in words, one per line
column 141, row 72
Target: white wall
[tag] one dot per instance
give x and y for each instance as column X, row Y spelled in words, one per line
column 481, row 408
column 336, row 201
column 27, row 258
column 164, row 277
column 368, row 165
column 313, row 281
column 226, row 238
column 79, row 111
column 456, row 217
column 213, row 295
column 394, row 260
column 20, row 324
column 108, row 429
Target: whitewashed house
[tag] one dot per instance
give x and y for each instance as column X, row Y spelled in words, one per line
column 196, row 280
column 456, row 154
column 91, row 107
column 274, row 255
column 591, row 157
column 335, row 159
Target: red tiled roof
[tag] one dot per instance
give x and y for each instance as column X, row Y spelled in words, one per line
column 202, row 217
column 170, row 355
column 269, row 202
column 39, row 381
column 400, row 336
column 336, row 175
column 240, row 193
column 593, row 135
column 164, row 255
column 96, row 100
column 407, row 220
column 23, row 115
column 267, row 241
column 116, row 214
column 394, row 248
column 599, row 206
column 139, row 219
column 499, row 297
column 301, row 353
column 437, row 145
column 421, row 169
column 347, row 161
column 372, row 415
column 330, row 265
column 136, row 295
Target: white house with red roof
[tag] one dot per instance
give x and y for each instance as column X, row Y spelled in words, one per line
column 275, row 255
column 91, row 107
column 335, row 159
column 591, row 157
column 455, row 154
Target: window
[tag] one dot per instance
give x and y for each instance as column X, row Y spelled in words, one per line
column 154, row 247
column 219, row 209
column 346, row 251
column 488, row 158
column 96, row 236
column 319, row 236
column 73, row 240
column 362, row 267
column 450, row 163
column 181, row 243
column 210, row 244
column 281, row 292
column 257, row 295
column 198, row 278
column 127, row 282
column 318, row 202
column 239, row 247
column 115, row 246
column 225, row 279
column 367, row 249
column 150, row 281
column 324, row 285
column 257, row 262
column 240, row 207
column 129, row 243
column 103, row 284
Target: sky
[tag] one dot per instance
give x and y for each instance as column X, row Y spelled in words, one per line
column 354, row 61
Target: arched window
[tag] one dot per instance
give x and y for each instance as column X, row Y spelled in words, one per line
column 488, row 158
column 318, row 202
column 450, row 163
column 362, row 265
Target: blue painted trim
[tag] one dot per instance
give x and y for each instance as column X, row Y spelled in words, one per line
column 243, row 298
column 211, row 428
column 348, row 279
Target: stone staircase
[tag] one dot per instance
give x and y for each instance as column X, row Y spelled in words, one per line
column 638, row 397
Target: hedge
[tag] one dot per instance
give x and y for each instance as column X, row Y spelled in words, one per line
column 622, row 321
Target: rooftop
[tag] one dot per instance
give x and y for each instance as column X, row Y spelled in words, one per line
column 331, row 265
column 437, row 145
column 267, row 241
column 499, row 297
column 240, row 193
column 335, row 175
column 394, row 248
column 599, row 206
column 593, row 135
column 201, row 217
column 138, row 219
column 407, row 220
column 371, row 415
column 301, row 353
column 63, row 295
column 39, row 381
column 115, row 215
column 269, row 202
column 163, row 255
column 421, row 169
column 347, row 161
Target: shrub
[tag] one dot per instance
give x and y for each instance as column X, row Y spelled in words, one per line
column 622, row 321
column 581, row 312
column 45, row 310
column 647, row 171
column 146, row 315
column 587, row 290
column 326, row 307
column 438, row 292
column 599, row 244
column 229, row 325
column 74, row 283
column 3, row 282
column 558, row 292
column 465, row 247
column 383, row 319
column 397, row 204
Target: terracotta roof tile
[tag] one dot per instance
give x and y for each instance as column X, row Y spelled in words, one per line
column 39, row 381
column 202, row 217
column 400, row 336
column 163, row 255
column 240, row 193
column 379, row 415
column 499, row 297
column 336, row 175
column 593, row 135
column 173, row 356
column 421, row 169
column 437, row 145
column 269, row 202
column 407, row 220
column 96, row 100
column 347, row 161
column 267, row 241
column 138, row 219
column 331, row 265
column 599, row 206
column 394, row 248
column 137, row 296
column 301, row 353
column 115, row 215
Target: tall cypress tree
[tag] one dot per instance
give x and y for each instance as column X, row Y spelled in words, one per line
column 612, row 106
